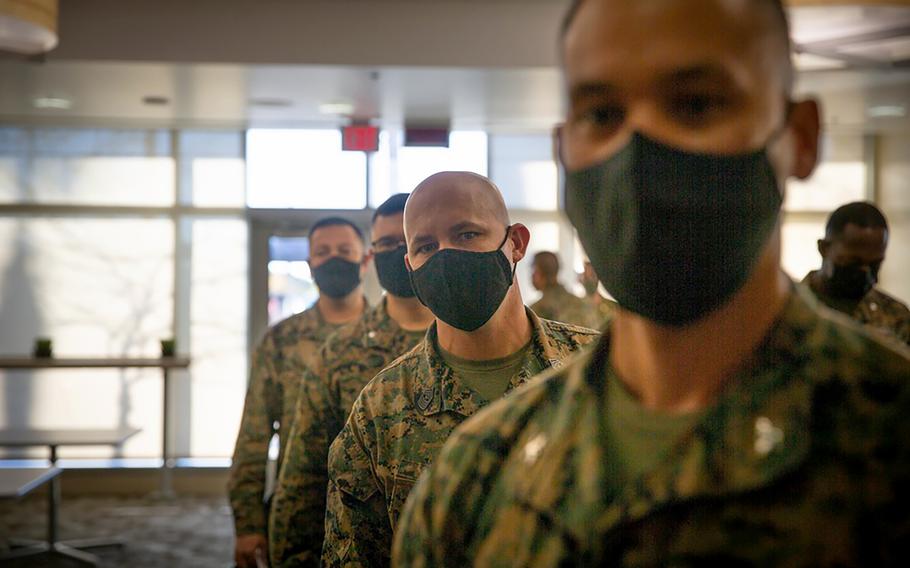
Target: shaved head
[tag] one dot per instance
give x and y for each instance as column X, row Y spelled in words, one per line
column 440, row 190
column 460, row 210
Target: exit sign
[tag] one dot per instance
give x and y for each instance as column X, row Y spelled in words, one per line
column 360, row 138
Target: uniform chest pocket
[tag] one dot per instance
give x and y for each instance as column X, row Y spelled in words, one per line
column 403, row 480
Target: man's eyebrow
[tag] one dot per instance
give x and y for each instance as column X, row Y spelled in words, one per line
column 420, row 239
column 591, row 89
column 466, row 225
column 699, row 73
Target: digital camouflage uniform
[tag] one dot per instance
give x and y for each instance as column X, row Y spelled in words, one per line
column 803, row 461
column 558, row 304
column 396, row 428
column 351, row 357
column 877, row 310
column 288, row 348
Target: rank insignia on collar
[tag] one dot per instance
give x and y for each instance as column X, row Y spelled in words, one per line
column 425, row 398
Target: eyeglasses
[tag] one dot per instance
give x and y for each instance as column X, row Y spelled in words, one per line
column 387, row 244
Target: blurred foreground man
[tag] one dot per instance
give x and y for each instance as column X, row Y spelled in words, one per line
column 853, row 250
column 557, row 303
column 723, row 419
column 462, row 252
column 288, row 349
column 350, row 358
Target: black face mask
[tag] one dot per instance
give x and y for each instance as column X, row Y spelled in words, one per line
column 673, row 234
column 337, row 277
column 464, row 288
column 393, row 272
column 851, row 282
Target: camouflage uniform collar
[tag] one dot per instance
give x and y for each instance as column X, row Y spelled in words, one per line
column 758, row 431
column 438, row 389
column 378, row 326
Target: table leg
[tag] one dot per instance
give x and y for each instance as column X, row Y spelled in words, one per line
column 53, row 501
column 167, row 489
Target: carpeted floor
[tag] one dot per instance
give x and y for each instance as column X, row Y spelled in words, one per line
column 191, row 532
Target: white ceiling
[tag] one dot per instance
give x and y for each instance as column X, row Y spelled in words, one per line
column 865, row 50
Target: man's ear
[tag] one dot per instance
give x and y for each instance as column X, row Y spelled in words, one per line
column 805, row 124
column 823, row 246
column 520, row 237
column 557, row 142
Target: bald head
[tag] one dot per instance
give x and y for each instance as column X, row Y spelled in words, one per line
column 457, row 209
column 462, row 189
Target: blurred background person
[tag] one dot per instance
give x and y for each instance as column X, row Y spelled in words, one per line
column 288, row 350
column 556, row 303
column 853, row 250
column 349, row 359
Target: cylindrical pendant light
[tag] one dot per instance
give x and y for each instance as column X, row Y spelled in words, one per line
column 28, row 26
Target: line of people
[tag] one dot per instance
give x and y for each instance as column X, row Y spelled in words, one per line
column 724, row 414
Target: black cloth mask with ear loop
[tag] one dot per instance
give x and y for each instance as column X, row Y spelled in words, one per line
column 673, row 234
column 464, row 288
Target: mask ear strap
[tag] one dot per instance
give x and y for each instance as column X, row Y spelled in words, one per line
column 506, row 238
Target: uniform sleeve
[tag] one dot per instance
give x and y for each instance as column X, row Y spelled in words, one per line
column 262, row 407
column 296, row 524
column 357, row 527
column 413, row 545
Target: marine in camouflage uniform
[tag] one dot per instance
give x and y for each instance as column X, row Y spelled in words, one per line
column 287, row 350
column 396, row 428
column 352, row 356
column 802, row 461
column 558, row 304
column 876, row 310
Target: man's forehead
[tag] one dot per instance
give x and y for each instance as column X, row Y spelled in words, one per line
column 443, row 210
column 333, row 234
column 855, row 235
column 665, row 35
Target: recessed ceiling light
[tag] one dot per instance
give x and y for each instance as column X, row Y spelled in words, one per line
column 57, row 103
column 886, row 111
column 336, row 108
column 156, row 100
column 272, row 103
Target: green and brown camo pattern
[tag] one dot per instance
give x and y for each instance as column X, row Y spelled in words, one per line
column 803, row 461
column 350, row 358
column 558, row 304
column 396, row 428
column 877, row 311
column 288, row 349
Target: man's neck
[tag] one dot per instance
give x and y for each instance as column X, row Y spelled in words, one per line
column 683, row 369
column 408, row 313
column 342, row 310
column 507, row 331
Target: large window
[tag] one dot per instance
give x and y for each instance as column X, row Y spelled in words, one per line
column 86, row 166
column 525, row 171
column 97, row 287
column 839, row 178
column 303, row 169
column 115, row 282
column 398, row 169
